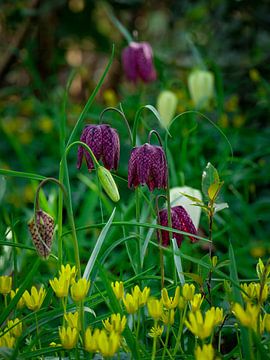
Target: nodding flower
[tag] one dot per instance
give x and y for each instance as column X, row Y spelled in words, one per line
column 180, row 221
column 103, row 140
column 148, row 165
column 137, row 60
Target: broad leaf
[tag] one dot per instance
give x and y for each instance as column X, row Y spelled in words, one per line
column 209, row 177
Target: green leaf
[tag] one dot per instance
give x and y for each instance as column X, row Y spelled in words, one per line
column 234, row 276
column 221, row 206
column 192, row 198
column 214, row 190
column 2, row 187
column 178, row 263
column 100, row 240
column 209, row 177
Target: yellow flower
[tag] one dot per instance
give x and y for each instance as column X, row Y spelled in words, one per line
column 188, row 291
column 35, row 300
column 73, row 320
column 168, row 317
column 203, row 327
column 141, row 296
column 20, row 303
column 68, row 337
column 131, row 303
column 261, row 293
column 247, row 317
column 156, row 331
column 110, row 97
column 196, row 302
column 266, row 322
column 182, row 303
column 90, row 340
column 249, row 291
column 115, row 323
column 7, row 341
column 80, row 289
column 206, row 352
column 5, row 284
column 108, row 344
column 170, row 302
column 69, row 272
column 15, row 327
column 118, row 289
column 60, row 286
column 155, row 309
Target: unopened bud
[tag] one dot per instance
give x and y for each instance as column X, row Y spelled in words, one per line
column 201, row 87
column 214, row 261
column 166, row 105
column 108, row 183
column 42, row 232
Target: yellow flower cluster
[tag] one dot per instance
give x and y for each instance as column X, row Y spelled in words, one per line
column 11, row 332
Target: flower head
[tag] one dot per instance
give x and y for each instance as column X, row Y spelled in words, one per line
column 196, row 302
column 73, row 319
column 249, row 316
column 104, row 142
column 5, row 284
column 41, row 230
column 201, row 87
column 60, row 286
column 68, row 337
column 156, row 331
column 115, row 323
column 15, row 327
column 206, row 352
column 141, row 296
column 118, row 289
column 166, row 106
column 155, row 308
column 34, row 300
column 148, row 165
column 69, row 272
column 137, row 60
column 180, row 221
column 20, row 303
column 80, row 289
column 131, row 303
column 108, row 344
column 91, row 340
column 188, row 291
column 168, row 317
column 170, row 302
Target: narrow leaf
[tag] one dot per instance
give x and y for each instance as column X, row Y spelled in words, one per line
column 97, row 247
column 178, row 263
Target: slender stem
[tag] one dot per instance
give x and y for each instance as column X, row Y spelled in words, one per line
column 161, row 258
column 180, row 330
column 154, row 344
column 138, row 323
column 60, row 217
column 137, row 200
column 5, row 300
column 167, row 350
column 100, row 201
column 239, row 344
column 154, row 132
column 166, row 340
column 211, row 218
column 121, row 113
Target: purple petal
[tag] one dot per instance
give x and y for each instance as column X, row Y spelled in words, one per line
column 132, row 168
column 94, row 141
column 144, row 61
column 186, row 222
column 110, row 147
column 129, row 61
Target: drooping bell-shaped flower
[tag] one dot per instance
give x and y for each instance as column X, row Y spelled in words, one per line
column 137, row 60
column 103, row 140
column 148, row 165
column 42, row 232
column 201, row 87
column 166, row 106
column 180, row 221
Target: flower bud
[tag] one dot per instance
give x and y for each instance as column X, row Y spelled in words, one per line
column 166, row 105
column 41, row 231
column 201, row 87
column 108, row 183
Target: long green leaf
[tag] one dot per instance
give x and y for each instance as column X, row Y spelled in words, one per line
column 21, row 174
column 97, row 247
column 178, row 263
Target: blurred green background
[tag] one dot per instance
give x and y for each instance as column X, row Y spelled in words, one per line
column 41, row 42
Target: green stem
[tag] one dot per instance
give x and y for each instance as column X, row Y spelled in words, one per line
column 138, row 323
column 154, row 344
column 60, row 216
column 166, row 341
column 180, row 330
column 137, row 200
column 168, row 352
column 5, row 300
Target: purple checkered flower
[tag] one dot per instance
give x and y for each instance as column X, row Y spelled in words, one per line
column 180, row 221
column 104, row 142
column 148, row 165
column 137, row 60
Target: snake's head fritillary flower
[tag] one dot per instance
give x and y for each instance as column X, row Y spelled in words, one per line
column 148, row 165
column 103, row 140
column 137, row 60
column 42, row 232
column 180, row 221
